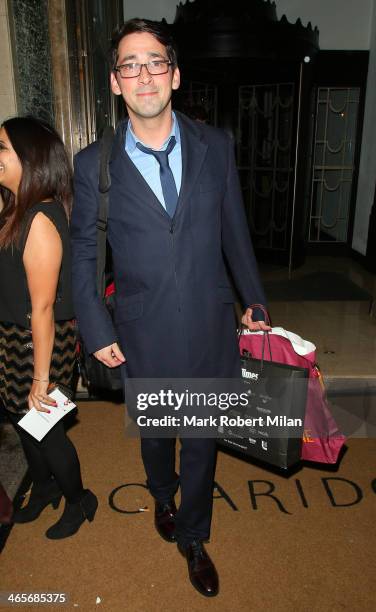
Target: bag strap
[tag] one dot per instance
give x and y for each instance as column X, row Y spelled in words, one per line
column 261, row 307
column 265, row 335
column 104, row 184
column 264, row 311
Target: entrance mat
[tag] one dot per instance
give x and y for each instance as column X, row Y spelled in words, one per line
column 302, row 542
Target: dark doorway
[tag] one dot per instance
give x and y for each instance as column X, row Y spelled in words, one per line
column 252, row 75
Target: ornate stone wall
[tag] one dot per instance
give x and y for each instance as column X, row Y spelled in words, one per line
column 32, row 58
column 7, row 93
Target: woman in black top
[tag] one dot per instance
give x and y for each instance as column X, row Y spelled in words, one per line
column 37, row 340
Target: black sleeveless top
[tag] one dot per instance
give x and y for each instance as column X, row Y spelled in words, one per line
column 15, row 304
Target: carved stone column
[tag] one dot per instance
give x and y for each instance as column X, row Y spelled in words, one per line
column 65, row 60
column 79, row 31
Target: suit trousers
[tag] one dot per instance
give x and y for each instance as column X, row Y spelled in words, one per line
column 197, row 467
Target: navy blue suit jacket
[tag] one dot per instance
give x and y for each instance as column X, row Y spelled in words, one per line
column 174, row 314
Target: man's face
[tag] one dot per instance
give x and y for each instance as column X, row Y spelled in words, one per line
column 147, row 95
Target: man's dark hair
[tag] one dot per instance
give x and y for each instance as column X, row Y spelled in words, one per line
column 158, row 29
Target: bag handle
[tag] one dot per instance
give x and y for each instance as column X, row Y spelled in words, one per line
column 261, row 307
column 264, row 311
column 264, row 336
column 104, row 184
column 265, row 333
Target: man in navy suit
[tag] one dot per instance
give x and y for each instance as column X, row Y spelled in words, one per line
column 176, row 226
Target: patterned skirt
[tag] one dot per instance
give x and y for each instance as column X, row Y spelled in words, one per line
column 17, row 367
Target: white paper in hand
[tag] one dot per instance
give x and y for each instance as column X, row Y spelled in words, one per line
column 38, row 424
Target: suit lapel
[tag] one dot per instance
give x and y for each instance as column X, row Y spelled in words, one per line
column 193, row 151
column 119, row 154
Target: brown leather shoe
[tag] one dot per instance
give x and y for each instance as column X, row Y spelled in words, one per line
column 202, row 572
column 164, row 520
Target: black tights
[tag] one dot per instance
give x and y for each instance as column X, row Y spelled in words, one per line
column 54, row 455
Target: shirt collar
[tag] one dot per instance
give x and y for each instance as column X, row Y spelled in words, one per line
column 131, row 139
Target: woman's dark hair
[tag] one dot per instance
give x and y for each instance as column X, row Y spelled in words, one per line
column 46, row 173
column 158, row 29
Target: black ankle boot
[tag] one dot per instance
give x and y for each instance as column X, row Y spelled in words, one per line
column 41, row 495
column 73, row 516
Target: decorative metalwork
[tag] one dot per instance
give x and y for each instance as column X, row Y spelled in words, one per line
column 333, row 163
column 264, row 152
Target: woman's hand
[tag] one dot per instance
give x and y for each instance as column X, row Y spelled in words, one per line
column 38, row 394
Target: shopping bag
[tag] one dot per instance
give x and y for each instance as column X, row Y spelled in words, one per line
column 322, row 440
column 273, row 420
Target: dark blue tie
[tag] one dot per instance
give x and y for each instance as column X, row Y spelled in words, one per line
column 169, row 190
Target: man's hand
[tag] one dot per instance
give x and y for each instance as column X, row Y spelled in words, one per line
column 111, row 355
column 253, row 325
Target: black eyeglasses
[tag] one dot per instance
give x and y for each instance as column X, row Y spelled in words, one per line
column 131, row 70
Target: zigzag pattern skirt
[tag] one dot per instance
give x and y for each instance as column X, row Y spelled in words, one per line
column 17, row 367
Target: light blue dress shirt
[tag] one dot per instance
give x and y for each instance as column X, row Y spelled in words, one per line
column 148, row 165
